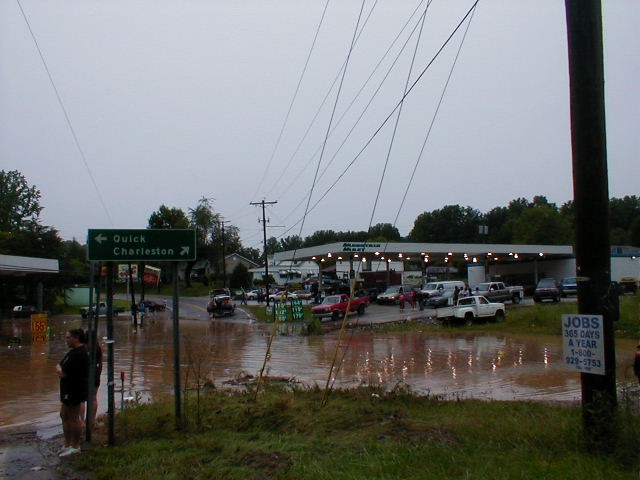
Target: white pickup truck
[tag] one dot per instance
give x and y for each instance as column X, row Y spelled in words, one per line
column 470, row 309
column 85, row 312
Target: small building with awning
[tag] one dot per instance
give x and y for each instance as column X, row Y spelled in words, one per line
column 16, row 266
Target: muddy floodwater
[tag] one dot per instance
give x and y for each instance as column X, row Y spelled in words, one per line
column 451, row 363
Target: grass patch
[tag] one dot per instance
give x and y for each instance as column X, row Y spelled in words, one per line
column 540, row 318
column 360, row 433
column 544, row 318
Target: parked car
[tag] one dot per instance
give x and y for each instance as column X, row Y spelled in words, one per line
column 547, row 289
column 568, row 286
column 436, row 288
column 281, row 294
column 303, row 294
column 253, row 294
column 499, row 292
column 372, row 293
column 88, row 311
column 151, row 306
column 335, row 306
column 23, row 311
column 220, row 303
column 629, row 285
column 392, row 294
column 445, row 298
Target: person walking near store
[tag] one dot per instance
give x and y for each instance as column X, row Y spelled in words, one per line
column 636, row 363
column 244, row 297
column 73, row 372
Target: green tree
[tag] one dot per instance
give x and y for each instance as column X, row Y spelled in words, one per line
column 225, row 239
column 22, row 234
column 240, row 277
column 452, row 223
column 203, row 219
column 321, row 237
column 634, row 233
column 542, row 224
column 499, row 225
column 74, row 267
column 273, row 245
column 252, row 254
column 623, row 212
column 19, row 203
column 384, row 232
column 293, row 242
column 166, row 218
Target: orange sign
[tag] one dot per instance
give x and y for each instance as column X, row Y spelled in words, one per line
column 39, row 328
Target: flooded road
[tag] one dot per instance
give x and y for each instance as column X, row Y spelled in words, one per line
column 450, row 363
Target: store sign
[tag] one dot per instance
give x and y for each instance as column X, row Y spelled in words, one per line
column 361, row 247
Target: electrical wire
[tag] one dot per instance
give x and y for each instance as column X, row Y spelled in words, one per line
column 66, row 115
column 313, row 120
column 348, row 344
column 344, row 72
column 388, row 117
column 364, row 110
column 335, row 105
column 433, row 119
column 395, row 127
column 293, row 98
column 324, row 100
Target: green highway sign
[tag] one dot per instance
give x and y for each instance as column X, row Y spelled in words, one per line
column 141, row 245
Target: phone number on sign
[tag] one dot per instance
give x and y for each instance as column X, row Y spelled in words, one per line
column 584, row 362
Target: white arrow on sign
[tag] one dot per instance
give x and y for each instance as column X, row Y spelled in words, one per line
column 101, row 238
column 184, row 251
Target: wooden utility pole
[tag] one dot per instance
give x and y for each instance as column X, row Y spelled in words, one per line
column 224, row 261
column 264, row 234
column 591, row 199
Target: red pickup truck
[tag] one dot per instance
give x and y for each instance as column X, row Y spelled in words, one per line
column 335, row 306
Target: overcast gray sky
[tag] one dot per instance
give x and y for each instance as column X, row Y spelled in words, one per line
column 174, row 100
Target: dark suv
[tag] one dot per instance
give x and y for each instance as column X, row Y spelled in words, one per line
column 547, row 289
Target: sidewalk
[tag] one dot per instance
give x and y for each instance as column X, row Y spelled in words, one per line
column 24, row 455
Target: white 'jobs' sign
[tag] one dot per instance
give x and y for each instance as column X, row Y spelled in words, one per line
column 583, row 343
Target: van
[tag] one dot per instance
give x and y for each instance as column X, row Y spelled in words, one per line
column 436, row 288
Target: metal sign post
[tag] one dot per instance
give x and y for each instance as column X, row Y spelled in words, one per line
column 141, row 245
column 176, row 347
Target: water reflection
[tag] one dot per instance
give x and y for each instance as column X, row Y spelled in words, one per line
column 454, row 364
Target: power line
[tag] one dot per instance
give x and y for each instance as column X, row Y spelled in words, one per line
column 324, row 100
column 66, row 115
column 388, row 117
column 293, row 99
column 335, row 105
column 395, row 127
column 433, row 118
column 348, row 108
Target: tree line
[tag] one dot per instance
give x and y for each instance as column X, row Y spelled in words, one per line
column 521, row 222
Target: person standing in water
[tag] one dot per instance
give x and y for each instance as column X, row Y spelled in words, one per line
column 73, row 371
